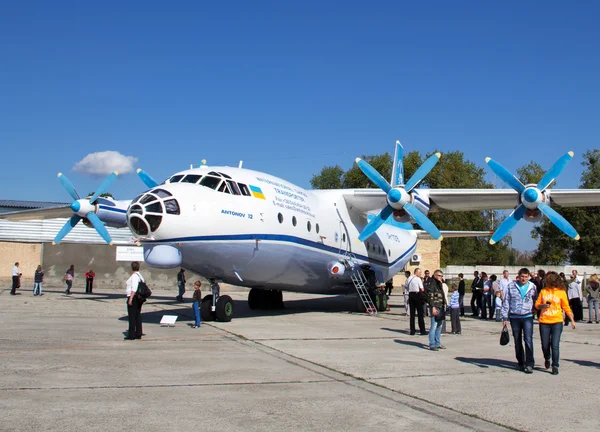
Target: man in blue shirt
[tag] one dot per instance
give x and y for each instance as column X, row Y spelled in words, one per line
column 518, row 306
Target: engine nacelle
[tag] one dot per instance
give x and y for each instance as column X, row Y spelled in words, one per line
column 336, row 269
column 533, row 216
column 162, row 256
column 420, row 201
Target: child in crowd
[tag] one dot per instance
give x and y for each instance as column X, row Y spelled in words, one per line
column 196, row 305
column 498, row 304
column 455, row 310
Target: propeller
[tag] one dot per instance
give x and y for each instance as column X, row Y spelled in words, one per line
column 532, row 198
column 148, row 181
column 84, row 208
column 398, row 194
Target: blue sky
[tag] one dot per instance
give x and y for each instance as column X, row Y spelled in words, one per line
column 290, row 87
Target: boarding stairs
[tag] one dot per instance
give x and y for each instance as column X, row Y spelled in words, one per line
column 362, row 288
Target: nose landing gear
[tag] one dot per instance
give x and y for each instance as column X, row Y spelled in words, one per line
column 215, row 306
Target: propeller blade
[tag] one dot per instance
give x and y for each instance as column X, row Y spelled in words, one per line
column 398, row 168
column 66, row 229
column 104, row 186
column 148, row 181
column 555, row 171
column 423, row 221
column 508, row 224
column 375, row 223
column 373, row 175
column 560, row 222
column 68, row 186
column 100, row 228
column 422, row 172
column 505, row 175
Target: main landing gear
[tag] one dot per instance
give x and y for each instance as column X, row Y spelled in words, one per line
column 265, row 299
column 215, row 306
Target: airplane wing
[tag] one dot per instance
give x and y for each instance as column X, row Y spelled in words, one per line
column 423, row 235
column 41, row 213
column 369, row 200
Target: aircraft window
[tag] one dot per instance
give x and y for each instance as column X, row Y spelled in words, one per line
column 244, row 189
column 226, row 176
column 308, row 226
column 233, row 187
column 294, row 221
column 154, row 221
column 379, row 249
column 344, row 237
column 280, row 218
column 224, row 188
column 172, row 206
column 210, row 182
column 138, row 225
column 216, row 174
column 367, row 244
column 147, row 199
column 154, row 207
column 389, row 252
column 191, row 178
column 317, row 228
column 136, row 209
column 136, row 200
column 176, row 178
column 161, row 193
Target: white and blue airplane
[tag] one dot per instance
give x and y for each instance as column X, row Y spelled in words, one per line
column 251, row 229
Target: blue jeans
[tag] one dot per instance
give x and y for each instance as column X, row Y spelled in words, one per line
column 550, row 335
column 69, row 285
column 593, row 306
column 197, row 321
column 435, row 331
column 522, row 329
column 37, row 288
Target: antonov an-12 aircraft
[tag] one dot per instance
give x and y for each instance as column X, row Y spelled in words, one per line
column 251, row 229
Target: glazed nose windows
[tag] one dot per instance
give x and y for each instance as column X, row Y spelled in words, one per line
column 146, row 211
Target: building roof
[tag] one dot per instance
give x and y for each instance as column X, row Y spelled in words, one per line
column 30, row 204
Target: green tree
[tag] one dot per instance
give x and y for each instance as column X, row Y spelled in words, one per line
column 531, row 173
column 554, row 246
column 103, row 195
column 331, row 177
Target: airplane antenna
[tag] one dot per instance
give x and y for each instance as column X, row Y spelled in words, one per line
column 240, row 164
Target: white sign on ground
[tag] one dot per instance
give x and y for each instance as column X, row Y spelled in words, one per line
column 130, row 253
column 168, row 320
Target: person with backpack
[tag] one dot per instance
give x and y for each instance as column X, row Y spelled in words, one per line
column 134, row 305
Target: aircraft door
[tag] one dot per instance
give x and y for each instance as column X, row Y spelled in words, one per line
column 343, row 239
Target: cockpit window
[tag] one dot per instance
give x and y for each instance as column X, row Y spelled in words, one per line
column 161, row 193
column 224, row 188
column 226, row 176
column 244, row 189
column 176, row 178
column 154, row 208
column 153, row 221
column 191, row 178
column 233, row 187
column 172, row 206
column 147, row 199
column 214, row 173
column 210, row 182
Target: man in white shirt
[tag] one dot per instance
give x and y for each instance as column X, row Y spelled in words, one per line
column 16, row 279
column 504, row 283
column 134, row 306
column 415, row 299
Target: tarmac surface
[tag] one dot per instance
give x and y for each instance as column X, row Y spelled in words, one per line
column 313, row 366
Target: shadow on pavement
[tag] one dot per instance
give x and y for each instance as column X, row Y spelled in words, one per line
column 488, row 362
column 584, row 363
column 413, row 343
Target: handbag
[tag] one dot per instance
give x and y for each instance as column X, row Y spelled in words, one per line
column 441, row 316
column 504, row 336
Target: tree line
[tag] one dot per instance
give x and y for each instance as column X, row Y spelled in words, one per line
column 455, row 171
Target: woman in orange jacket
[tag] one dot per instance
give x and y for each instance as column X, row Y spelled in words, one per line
column 551, row 303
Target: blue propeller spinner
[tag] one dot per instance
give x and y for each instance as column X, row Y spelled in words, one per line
column 532, row 198
column 398, row 193
column 84, row 208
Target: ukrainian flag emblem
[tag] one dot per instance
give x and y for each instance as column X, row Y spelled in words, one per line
column 257, row 192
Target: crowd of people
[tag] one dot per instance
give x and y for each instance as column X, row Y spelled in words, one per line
column 549, row 298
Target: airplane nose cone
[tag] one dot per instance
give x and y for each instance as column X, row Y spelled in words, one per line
column 75, row 206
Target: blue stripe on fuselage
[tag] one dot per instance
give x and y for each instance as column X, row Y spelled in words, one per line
column 112, row 209
column 280, row 238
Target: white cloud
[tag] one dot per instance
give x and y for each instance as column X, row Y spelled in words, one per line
column 103, row 163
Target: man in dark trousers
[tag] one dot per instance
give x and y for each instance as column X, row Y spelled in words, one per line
column 181, row 284
column 461, row 293
column 474, row 290
column 134, row 306
column 414, row 284
column 16, row 279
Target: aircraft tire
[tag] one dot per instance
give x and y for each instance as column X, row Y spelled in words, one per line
column 224, row 309
column 275, row 300
column 206, row 308
column 360, row 305
column 255, row 298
